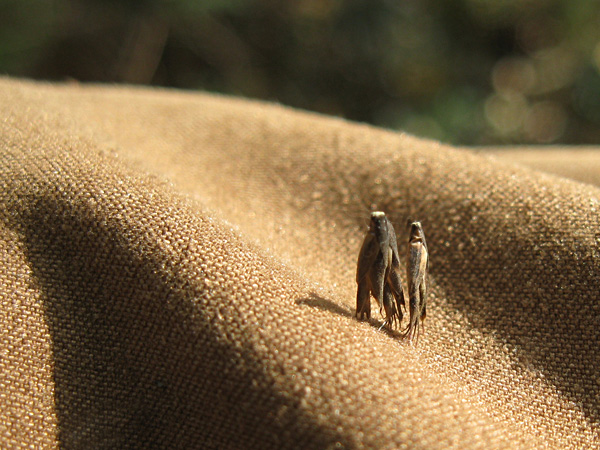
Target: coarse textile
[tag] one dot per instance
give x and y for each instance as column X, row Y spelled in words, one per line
column 178, row 271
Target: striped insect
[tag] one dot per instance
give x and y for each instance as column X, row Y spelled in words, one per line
column 417, row 270
column 378, row 273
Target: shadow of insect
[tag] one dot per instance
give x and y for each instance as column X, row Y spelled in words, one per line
column 324, row 304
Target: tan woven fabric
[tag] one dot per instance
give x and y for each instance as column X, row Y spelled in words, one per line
column 178, row 271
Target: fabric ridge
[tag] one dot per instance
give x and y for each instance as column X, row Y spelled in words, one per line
column 178, row 271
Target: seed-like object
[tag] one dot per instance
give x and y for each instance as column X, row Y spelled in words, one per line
column 378, row 272
column 417, row 270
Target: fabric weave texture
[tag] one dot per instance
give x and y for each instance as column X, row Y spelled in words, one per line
column 178, row 271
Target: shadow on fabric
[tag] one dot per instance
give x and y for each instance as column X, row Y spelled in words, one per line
column 318, row 302
column 135, row 364
column 536, row 290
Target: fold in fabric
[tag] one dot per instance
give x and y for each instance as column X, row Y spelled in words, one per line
column 178, row 270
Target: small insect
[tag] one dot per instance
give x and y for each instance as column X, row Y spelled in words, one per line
column 417, row 270
column 378, row 272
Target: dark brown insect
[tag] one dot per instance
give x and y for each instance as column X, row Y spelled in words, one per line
column 378, row 272
column 417, row 270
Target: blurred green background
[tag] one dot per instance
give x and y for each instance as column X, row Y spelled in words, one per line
column 471, row 72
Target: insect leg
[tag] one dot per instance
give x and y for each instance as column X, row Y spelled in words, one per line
column 412, row 323
column 396, row 286
column 391, row 313
column 423, row 295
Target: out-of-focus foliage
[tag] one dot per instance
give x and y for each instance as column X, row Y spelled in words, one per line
column 463, row 71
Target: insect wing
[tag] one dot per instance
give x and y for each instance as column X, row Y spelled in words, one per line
column 416, row 268
column 367, row 256
column 378, row 275
column 394, row 273
column 382, row 233
column 363, row 300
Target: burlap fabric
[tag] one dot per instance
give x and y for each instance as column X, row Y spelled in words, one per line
column 178, row 271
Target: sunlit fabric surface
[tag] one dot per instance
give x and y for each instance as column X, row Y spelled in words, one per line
column 178, row 271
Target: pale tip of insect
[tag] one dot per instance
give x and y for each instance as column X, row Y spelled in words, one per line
column 377, row 214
